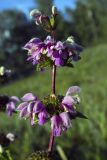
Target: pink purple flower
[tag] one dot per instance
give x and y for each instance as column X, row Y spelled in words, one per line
column 39, row 17
column 61, row 113
column 60, row 53
column 32, row 106
column 60, row 123
column 35, row 47
column 11, row 105
column 70, row 99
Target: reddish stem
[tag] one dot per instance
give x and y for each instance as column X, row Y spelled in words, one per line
column 53, row 79
column 51, row 142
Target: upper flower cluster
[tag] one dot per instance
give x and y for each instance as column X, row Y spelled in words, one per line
column 32, row 106
column 52, row 51
column 59, row 109
column 47, row 22
column 48, row 52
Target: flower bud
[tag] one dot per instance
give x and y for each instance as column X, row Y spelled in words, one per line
column 1, row 149
column 2, row 70
column 70, row 39
column 5, row 72
column 54, row 10
column 10, row 136
column 35, row 12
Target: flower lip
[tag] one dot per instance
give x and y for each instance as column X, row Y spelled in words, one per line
column 14, row 99
column 10, row 106
column 28, row 97
column 43, row 117
column 23, row 113
column 73, row 90
column 35, row 12
column 60, row 123
column 38, row 107
column 34, row 41
column 59, row 45
column 56, row 123
column 22, row 105
column 68, row 100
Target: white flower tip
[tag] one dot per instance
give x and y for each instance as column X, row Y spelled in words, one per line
column 10, row 136
column 1, row 149
column 28, row 97
column 70, row 39
column 2, row 70
column 73, row 90
column 35, row 12
column 54, row 10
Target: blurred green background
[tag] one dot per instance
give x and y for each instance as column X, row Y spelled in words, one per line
column 86, row 21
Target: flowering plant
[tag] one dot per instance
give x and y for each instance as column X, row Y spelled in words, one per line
column 58, row 109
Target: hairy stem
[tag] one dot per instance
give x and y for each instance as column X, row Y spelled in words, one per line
column 53, row 79
column 51, row 142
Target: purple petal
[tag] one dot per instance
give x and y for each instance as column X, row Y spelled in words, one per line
column 56, row 125
column 64, row 54
column 59, row 45
column 28, row 46
column 73, row 90
column 10, row 107
column 23, row 112
column 38, row 107
column 43, row 116
column 68, row 100
column 59, row 62
column 50, row 52
column 30, row 107
column 22, row 105
column 55, row 54
column 35, row 40
column 14, row 99
column 49, row 40
column 28, row 97
column 57, row 131
column 66, row 120
column 68, row 103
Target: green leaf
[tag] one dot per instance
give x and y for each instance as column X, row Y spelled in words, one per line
column 44, row 63
column 70, row 65
column 36, row 120
column 46, row 24
column 81, row 115
column 52, row 21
